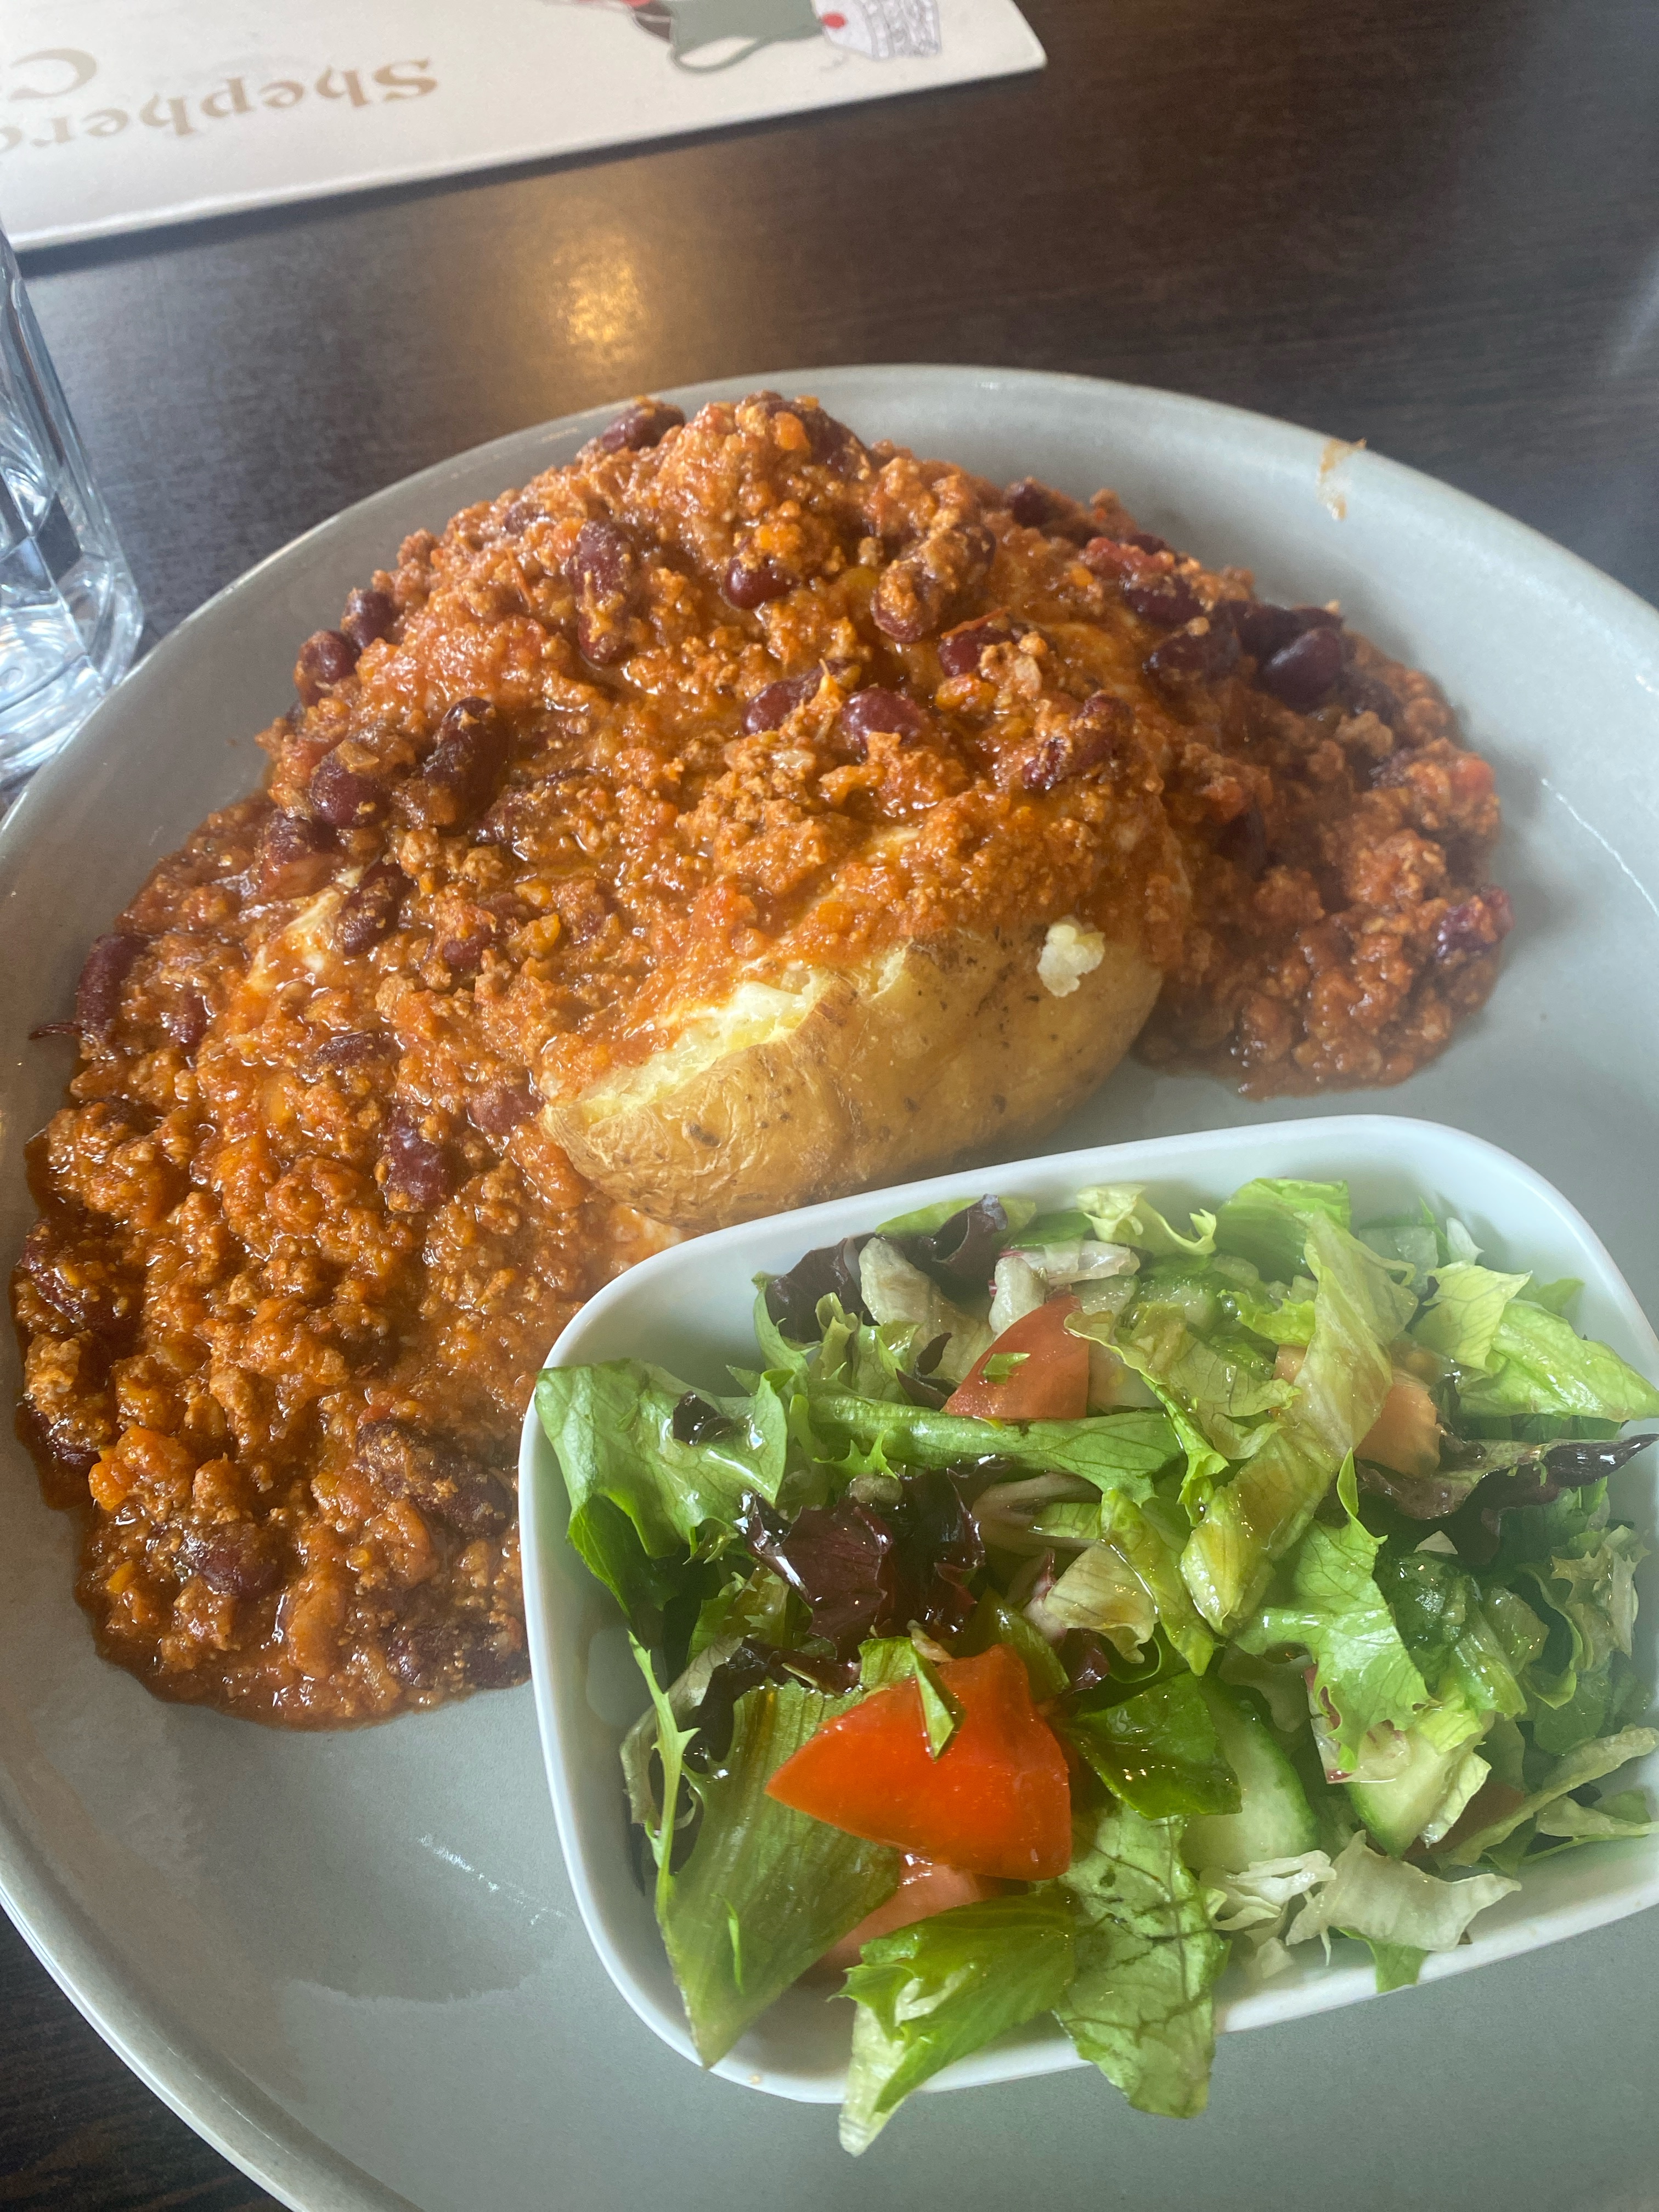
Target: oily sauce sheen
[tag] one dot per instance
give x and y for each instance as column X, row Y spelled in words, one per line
column 717, row 700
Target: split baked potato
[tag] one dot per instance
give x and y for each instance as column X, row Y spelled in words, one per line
column 865, row 1075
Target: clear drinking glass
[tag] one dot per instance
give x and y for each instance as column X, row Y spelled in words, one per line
column 69, row 613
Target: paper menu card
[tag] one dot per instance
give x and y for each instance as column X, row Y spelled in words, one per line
column 117, row 115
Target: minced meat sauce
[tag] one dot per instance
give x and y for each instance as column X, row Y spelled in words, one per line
column 719, row 697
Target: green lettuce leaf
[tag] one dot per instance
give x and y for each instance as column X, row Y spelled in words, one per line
column 994, row 1621
column 1542, row 1366
column 1436, row 1607
column 1289, row 1321
column 1609, row 1820
column 1414, row 1242
column 1213, row 1385
column 1119, row 1213
column 780, row 1357
column 927, row 1218
column 1070, row 1223
column 891, row 1659
column 1150, row 1536
column 1204, row 1461
column 1600, row 1700
column 1265, row 1222
column 1363, row 1674
column 637, row 1494
column 1398, row 1965
column 1114, row 1451
column 766, row 1890
column 1100, row 1590
column 1589, row 1763
column 1159, row 1751
column 1462, row 1321
column 1139, row 2006
column 1388, row 1901
column 1594, row 1589
column 944, row 1988
column 1252, row 1521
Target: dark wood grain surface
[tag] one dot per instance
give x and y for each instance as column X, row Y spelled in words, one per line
column 1436, row 227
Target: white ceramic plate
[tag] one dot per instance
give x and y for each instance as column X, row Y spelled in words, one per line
column 690, row 1311
column 355, row 1962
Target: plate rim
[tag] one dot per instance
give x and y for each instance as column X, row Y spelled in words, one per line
column 204, row 2089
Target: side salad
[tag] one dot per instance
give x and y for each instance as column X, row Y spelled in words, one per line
column 1067, row 1602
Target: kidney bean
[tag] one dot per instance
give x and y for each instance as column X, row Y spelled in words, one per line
column 832, row 445
column 1477, row 925
column 1028, row 502
column 750, row 583
column 913, row 594
column 294, row 856
column 835, row 447
column 1037, row 506
column 1147, row 541
column 186, row 1022
column 370, row 910
column 463, row 1653
column 498, row 1109
column 1093, row 739
column 959, row 649
column 517, row 516
column 344, row 796
column 1265, row 629
column 420, row 1172
column 604, row 562
column 1169, row 601
column 98, row 993
column 1369, row 694
column 69, row 1455
column 490, row 1659
column 462, row 954
column 638, row 428
column 1243, row 840
column 876, row 709
column 605, row 567
column 459, row 776
column 1207, row 653
column 436, row 1474
column 236, row 1558
column 369, row 614
column 77, row 1273
column 352, row 1048
column 325, row 658
column 770, row 708
column 1302, row 673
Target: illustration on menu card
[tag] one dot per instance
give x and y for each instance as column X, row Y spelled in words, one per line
column 705, row 35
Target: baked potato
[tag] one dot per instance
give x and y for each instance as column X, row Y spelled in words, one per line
column 862, row 1076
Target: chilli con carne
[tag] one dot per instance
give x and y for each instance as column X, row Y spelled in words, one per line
column 716, row 699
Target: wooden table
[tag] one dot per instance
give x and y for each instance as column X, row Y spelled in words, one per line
column 1434, row 228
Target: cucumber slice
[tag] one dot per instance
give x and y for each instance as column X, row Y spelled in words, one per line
column 1397, row 1810
column 1275, row 1821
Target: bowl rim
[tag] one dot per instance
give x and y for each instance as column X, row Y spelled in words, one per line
column 1399, row 1141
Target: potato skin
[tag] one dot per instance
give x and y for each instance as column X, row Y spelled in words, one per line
column 899, row 1067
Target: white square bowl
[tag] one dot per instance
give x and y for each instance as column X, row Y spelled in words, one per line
column 690, row 1309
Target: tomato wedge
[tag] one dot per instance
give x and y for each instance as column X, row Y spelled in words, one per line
column 1050, row 1381
column 997, row 1800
